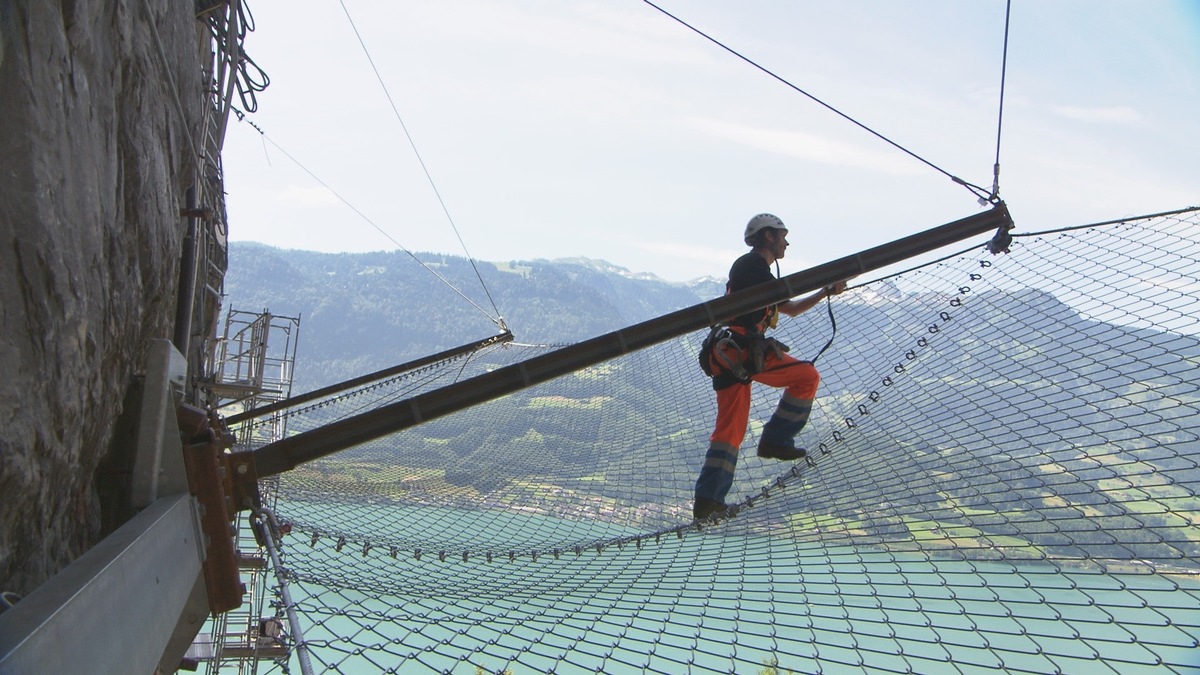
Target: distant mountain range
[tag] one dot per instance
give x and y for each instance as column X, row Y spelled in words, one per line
column 364, row 311
column 1002, row 402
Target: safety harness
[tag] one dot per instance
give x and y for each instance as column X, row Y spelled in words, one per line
column 743, row 355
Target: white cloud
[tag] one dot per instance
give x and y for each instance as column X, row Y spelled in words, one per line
column 806, row 146
column 1121, row 114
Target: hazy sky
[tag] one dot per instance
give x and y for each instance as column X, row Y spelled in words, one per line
column 556, row 128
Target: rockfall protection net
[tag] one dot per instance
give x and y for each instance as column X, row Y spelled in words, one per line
column 1005, row 459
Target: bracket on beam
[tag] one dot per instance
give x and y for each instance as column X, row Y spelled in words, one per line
column 210, row 480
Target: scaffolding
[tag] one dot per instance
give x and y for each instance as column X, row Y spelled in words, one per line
column 252, row 364
column 240, row 639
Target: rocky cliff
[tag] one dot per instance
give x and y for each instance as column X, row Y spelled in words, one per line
column 102, row 102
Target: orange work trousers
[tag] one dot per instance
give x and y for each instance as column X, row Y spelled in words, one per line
column 798, row 379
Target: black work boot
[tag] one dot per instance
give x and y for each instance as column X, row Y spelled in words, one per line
column 785, row 452
column 703, row 508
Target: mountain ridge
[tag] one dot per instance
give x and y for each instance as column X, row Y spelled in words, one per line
column 364, row 311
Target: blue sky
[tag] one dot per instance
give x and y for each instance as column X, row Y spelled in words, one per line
column 605, row 129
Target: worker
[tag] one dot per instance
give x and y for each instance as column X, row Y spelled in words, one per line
column 741, row 354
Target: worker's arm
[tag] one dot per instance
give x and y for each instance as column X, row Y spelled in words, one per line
column 796, row 307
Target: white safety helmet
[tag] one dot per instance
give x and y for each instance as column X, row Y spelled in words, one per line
column 761, row 222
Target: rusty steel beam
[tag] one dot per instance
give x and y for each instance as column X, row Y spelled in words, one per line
column 339, row 387
column 290, row 452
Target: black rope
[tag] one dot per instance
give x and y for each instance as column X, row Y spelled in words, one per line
column 978, row 191
column 248, row 83
column 832, row 324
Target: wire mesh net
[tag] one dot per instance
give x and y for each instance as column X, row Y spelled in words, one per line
column 1002, row 474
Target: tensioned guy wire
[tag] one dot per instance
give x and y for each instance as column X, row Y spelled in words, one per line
column 493, row 317
column 978, row 191
column 1000, row 113
column 420, row 161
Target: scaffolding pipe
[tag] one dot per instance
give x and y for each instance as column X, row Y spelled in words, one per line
column 268, row 526
column 286, row 454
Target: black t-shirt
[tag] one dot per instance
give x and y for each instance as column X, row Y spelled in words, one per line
column 749, row 270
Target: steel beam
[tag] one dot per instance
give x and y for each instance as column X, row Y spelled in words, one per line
column 391, row 371
column 115, row 608
column 290, row 452
column 158, row 462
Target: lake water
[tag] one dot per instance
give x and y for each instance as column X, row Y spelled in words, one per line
column 711, row 602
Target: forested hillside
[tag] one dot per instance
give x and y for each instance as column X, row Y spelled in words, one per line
column 1020, row 368
column 364, row 311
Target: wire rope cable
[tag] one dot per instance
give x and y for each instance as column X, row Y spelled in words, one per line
column 420, row 160
column 496, row 318
column 1000, row 113
column 980, row 192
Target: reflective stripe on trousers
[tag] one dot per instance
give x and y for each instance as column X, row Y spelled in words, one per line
column 798, row 379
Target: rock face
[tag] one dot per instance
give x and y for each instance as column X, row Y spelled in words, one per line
column 102, row 102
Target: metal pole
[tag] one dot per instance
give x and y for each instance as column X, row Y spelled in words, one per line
column 288, row 453
column 269, row 526
column 186, row 295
